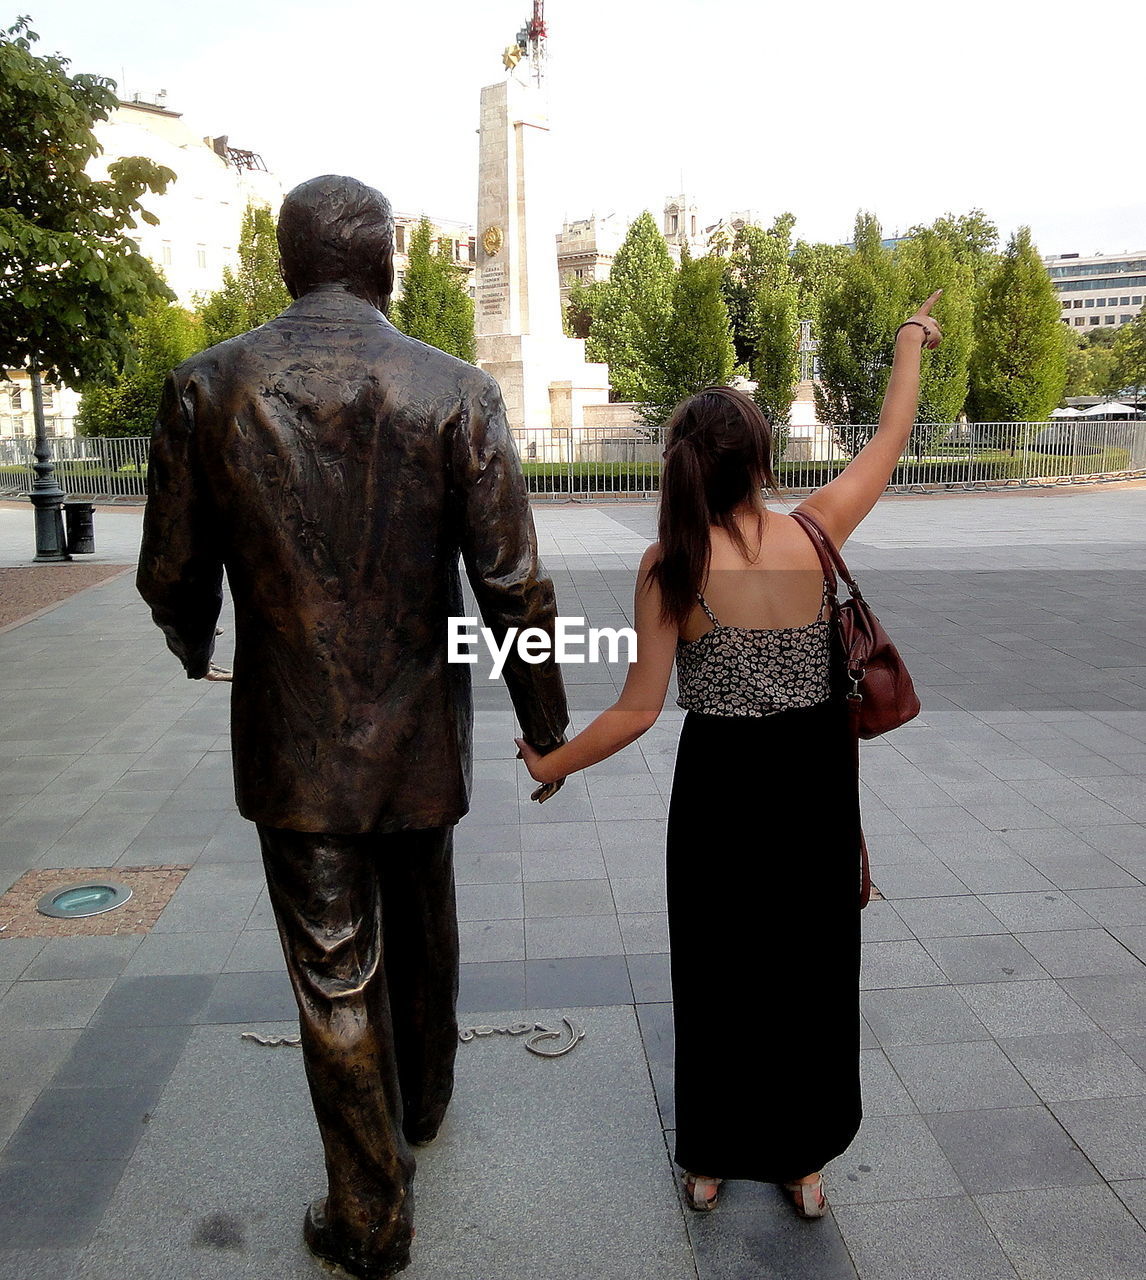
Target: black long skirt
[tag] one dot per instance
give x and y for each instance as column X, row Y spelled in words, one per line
column 763, row 904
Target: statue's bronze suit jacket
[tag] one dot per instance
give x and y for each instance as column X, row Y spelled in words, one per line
column 335, row 468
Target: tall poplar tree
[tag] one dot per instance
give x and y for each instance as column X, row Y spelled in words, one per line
column 858, row 319
column 775, row 365
column 1019, row 365
column 636, row 302
column 694, row 349
column 252, row 292
column 928, row 262
column 757, row 259
column 435, row 306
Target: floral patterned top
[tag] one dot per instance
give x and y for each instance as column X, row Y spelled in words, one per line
column 755, row 671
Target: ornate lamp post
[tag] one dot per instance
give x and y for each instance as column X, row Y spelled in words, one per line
column 47, row 496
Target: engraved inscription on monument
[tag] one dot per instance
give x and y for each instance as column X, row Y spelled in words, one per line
column 493, row 293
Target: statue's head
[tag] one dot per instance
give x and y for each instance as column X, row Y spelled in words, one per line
column 335, row 230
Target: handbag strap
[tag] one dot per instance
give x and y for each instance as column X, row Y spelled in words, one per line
column 833, row 564
column 830, row 558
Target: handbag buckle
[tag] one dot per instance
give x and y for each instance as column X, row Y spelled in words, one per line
column 855, row 675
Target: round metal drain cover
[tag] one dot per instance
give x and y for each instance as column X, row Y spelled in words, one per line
column 74, row 901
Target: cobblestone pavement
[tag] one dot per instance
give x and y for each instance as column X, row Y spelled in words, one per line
column 1004, row 987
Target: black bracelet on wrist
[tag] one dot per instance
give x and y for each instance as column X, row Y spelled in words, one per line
column 919, row 323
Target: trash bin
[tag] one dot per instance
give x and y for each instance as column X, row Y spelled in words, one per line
column 80, row 521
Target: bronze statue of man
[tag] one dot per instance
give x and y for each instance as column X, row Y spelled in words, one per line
column 336, row 469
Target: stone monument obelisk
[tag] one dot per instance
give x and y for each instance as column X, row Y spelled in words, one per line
column 544, row 376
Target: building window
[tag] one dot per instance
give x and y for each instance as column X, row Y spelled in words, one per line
column 1090, row 302
column 1136, row 300
column 1078, row 302
column 1066, row 304
column 1095, row 319
column 1125, row 319
column 48, row 394
column 1123, row 302
column 201, row 256
column 1107, row 319
column 166, row 253
column 674, row 223
column 400, row 239
column 17, row 397
column 1078, row 320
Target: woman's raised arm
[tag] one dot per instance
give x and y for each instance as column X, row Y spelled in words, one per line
column 841, row 504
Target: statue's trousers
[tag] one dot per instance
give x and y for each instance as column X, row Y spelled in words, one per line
column 369, row 928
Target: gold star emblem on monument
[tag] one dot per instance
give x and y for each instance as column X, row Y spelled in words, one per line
column 492, row 240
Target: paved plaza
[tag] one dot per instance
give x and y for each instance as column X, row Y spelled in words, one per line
column 1004, row 1037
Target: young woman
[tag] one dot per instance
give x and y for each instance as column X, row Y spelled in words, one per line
column 763, row 843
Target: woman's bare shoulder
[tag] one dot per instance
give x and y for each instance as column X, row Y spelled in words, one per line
column 651, row 556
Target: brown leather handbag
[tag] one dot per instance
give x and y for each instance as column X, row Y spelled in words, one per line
column 880, row 693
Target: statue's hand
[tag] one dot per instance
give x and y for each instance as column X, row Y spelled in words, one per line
column 546, row 790
column 219, row 673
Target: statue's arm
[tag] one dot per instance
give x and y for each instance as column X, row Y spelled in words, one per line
column 499, row 550
column 180, row 564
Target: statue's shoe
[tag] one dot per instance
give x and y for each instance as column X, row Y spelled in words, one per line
column 330, row 1244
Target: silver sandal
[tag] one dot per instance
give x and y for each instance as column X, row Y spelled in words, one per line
column 694, row 1184
column 808, row 1198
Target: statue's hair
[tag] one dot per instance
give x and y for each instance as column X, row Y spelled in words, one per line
column 334, row 230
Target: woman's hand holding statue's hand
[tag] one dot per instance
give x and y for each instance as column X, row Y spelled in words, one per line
column 923, row 324
column 535, row 763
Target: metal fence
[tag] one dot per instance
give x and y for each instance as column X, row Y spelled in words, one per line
column 601, row 462
column 107, row 468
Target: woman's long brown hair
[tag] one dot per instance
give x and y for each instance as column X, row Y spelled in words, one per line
column 718, row 455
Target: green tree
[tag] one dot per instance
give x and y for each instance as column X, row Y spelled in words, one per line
column 435, row 307
column 581, row 308
column 973, row 239
column 694, row 349
column 775, row 365
column 858, row 319
column 634, row 308
column 1092, row 367
column 164, row 336
column 253, row 292
column 72, row 276
column 757, row 259
column 1129, row 372
column 926, row 262
column 1019, row 366
column 816, row 269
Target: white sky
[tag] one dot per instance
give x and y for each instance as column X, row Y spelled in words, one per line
column 1028, row 109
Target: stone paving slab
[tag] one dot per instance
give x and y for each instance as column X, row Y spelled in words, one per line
column 231, row 1157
